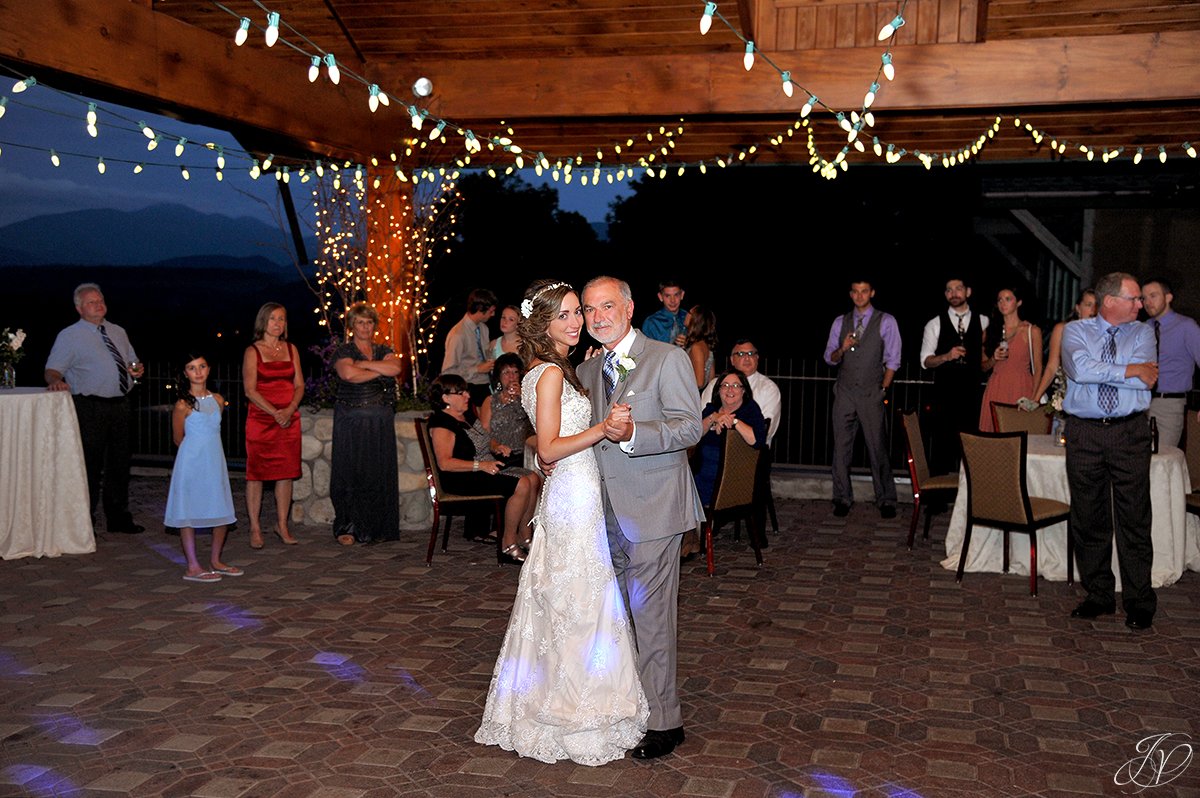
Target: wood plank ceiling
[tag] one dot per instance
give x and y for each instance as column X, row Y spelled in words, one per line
column 573, row 77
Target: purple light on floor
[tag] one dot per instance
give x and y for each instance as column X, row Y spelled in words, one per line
column 9, row 666
column 834, row 785
column 169, row 553
column 234, row 615
column 59, row 725
column 412, row 684
column 340, row 666
column 896, row 791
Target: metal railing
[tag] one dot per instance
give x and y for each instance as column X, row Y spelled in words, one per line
column 805, row 435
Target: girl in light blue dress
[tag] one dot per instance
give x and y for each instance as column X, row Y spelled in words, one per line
column 199, row 496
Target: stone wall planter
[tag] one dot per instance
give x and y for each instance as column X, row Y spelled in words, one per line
column 311, row 504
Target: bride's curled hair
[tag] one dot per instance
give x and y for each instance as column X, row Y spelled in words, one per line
column 543, row 298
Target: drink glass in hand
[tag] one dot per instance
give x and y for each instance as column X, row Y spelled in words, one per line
column 135, row 371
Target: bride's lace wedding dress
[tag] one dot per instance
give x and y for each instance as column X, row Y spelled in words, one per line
column 566, row 685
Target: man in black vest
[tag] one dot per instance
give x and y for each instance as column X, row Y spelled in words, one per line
column 952, row 348
column 865, row 346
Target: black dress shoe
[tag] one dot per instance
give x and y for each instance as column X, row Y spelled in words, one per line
column 1139, row 620
column 887, row 511
column 129, row 529
column 841, row 509
column 1092, row 609
column 658, row 743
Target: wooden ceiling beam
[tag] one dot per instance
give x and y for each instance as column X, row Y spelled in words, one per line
column 160, row 64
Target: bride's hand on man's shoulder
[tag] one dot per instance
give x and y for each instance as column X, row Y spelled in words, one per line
column 591, row 352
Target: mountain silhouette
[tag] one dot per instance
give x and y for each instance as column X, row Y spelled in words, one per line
column 138, row 238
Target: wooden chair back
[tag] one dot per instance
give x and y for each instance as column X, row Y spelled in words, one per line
column 448, row 503
column 1010, row 418
column 918, row 466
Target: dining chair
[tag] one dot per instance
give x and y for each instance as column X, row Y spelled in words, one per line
column 763, row 486
column 451, row 504
column 924, row 485
column 1010, row 418
column 733, row 494
column 998, row 496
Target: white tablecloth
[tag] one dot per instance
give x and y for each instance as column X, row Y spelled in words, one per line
column 1175, row 533
column 44, row 509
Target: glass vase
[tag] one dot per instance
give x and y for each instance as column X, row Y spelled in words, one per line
column 8, row 375
column 1058, row 430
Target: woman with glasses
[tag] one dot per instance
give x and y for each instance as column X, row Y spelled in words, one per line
column 733, row 408
column 462, row 471
column 363, row 477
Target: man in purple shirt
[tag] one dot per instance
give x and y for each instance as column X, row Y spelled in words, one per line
column 1178, row 344
column 865, row 346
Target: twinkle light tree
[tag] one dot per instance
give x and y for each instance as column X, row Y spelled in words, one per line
column 378, row 235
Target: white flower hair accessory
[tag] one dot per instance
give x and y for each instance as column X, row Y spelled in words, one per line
column 527, row 304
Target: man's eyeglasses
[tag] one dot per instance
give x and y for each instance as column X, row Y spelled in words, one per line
column 733, row 385
column 746, row 353
column 1129, row 298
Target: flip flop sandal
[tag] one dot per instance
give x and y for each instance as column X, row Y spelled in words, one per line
column 206, row 576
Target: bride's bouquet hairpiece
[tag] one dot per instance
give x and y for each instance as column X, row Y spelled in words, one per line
column 527, row 304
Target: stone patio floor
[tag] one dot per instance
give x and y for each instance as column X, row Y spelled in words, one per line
column 846, row 665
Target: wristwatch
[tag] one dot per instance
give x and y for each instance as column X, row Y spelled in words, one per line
column 735, row 421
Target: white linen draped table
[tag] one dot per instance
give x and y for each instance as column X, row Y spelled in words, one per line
column 1175, row 533
column 44, row 507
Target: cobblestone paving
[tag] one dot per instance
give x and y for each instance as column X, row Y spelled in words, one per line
column 847, row 665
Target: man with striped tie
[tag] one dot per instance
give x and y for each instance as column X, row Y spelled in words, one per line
column 1110, row 366
column 94, row 360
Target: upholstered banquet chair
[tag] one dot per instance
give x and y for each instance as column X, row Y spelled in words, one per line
column 1010, row 418
column 450, row 504
column 1191, row 450
column 998, row 496
column 734, row 494
column 924, row 485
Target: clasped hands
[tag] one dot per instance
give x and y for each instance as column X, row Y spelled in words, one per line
column 721, row 420
column 618, row 424
column 282, row 416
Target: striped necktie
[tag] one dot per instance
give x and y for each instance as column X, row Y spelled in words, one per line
column 122, row 372
column 479, row 342
column 610, row 374
column 1106, row 396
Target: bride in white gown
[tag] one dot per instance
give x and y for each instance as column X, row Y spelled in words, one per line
column 566, row 684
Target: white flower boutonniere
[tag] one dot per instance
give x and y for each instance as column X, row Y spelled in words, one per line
column 625, row 364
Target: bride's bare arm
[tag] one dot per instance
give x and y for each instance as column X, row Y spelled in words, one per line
column 551, row 446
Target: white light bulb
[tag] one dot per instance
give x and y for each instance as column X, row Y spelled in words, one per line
column 748, row 58
column 22, row 85
column 436, row 133
column 146, row 131
column 266, row 165
column 100, row 167
column 331, row 68
column 179, row 147
column 889, row 69
column 808, row 106
column 422, row 87
column 183, row 170
column 887, row 30
column 314, row 69
column 373, row 98
column 787, row 83
column 416, row 117
column 706, row 18
column 869, row 99
column 54, row 158
column 137, row 170
column 1189, row 149
column 272, row 34
column 243, row 32
column 152, row 144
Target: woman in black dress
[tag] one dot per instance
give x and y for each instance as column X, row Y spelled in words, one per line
column 464, row 474
column 364, row 479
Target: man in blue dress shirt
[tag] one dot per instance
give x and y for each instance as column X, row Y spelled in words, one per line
column 94, row 360
column 1178, row 339
column 1110, row 365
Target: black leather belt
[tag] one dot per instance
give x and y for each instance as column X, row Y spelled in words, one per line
column 1180, row 395
column 102, row 399
column 1112, row 420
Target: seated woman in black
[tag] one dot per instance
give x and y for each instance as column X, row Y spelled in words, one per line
column 732, row 408
column 463, row 474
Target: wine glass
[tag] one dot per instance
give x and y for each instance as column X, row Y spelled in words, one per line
column 134, row 368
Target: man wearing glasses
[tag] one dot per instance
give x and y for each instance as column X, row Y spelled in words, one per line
column 864, row 344
column 1110, row 365
column 744, row 358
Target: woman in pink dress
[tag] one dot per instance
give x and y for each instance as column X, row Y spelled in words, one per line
column 274, row 386
column 1014, row 349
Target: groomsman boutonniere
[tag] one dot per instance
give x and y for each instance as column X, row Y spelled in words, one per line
column 625, row 364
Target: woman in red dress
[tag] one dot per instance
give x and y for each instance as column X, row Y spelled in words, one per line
column 274, row 386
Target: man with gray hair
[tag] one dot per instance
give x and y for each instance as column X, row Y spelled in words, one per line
column 94, row 360
column 1110, row 366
